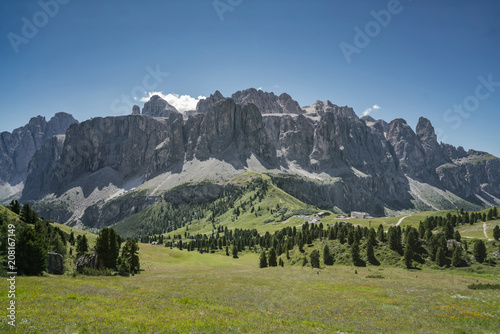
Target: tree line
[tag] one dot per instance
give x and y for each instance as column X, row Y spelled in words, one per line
column 435, row 241
column 36, row 237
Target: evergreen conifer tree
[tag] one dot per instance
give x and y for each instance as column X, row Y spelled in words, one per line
column 327, row 257
column 479, row 251
column 456, row 259
column 272, row 258
column 263, row 260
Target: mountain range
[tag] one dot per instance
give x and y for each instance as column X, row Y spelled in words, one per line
column 103, row 170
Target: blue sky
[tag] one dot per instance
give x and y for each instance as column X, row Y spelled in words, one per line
column 425, row 58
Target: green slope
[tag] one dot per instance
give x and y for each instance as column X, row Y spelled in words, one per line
column 249, row 201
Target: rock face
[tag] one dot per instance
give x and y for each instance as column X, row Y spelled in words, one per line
column 291, row 136
column 322, row 154
column 136, row 110
column 157, row 107
column 17, row 148
column 433, row 153
column 124, row 144
column 89, row 260
column 320, row 108
column 203, row 105
column 55, row 263
column 267, row 103
column 408, row 149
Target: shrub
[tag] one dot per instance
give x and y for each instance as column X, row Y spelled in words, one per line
column 486, row 286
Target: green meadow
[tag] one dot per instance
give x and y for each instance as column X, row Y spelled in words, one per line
column 189, row 292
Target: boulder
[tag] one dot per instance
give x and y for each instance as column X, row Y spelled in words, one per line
column 89, row 260
column 55, row 263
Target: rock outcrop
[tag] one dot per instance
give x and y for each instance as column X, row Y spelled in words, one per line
column 136, row 110
column 125, row 144
column 320, row 108
column 55, row 263
column 157, row 107
column 17, row 148
column 267, row 103
column 203, row 104
column 89, row 260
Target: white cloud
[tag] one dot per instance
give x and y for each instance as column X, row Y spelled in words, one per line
column 181, row 102
column 372, row 108
column 260, row 88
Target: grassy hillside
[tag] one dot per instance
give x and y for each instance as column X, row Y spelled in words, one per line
column 187, row 292
column 477, row 230
column 251, row 202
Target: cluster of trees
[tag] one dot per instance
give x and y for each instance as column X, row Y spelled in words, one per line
column 107, row 248
column 168, row 216
column 435, row 241
column 34, row 239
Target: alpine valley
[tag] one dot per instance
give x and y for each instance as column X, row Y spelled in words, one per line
column 107, row 171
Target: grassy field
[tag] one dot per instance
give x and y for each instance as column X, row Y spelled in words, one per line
column 477, row 230
column 188, row 292
column 410, row 220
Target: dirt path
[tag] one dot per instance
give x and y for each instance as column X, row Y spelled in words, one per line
column 399, row 222
column 486, row 235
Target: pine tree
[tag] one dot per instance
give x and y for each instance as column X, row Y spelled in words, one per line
column 394, row 239
column 355, row 253
column 107, row 247
column 57, row 246
column 448, row 230
column 235, row 252
column 14, row 206
column 457, row 236
column 380, row 233
column 479, row 251
column 456, row 259
column 408, row 257
column 272, row 258
column 72, row 239
column 130, row 257
column 440, row 257
column 327, row 257
column 27, row 215
column 350, row 237
column 31, row 252
column 314, row 256
column 227, row 250
column 496, row 232
column 370, row 254
column 81, row 245
column 263, row 260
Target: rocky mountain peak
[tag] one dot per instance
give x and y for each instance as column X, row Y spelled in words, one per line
column 17, row 148
column 136, row 110
column 321, row 107
column 427, row 136
column 157, row 107
column 268, row 103
column 425, row 130
column 203, row 104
